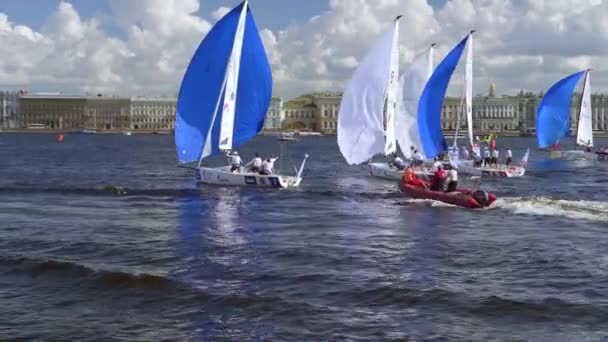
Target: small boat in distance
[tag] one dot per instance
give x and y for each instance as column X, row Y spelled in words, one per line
column 223, row 100
column 126, row 133
column 286, row 136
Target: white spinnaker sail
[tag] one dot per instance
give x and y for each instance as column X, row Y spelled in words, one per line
column 232, row 81
column 360, row 119
column 411, row 85
column 468, row 80
column 390, row 144
column 584, row 135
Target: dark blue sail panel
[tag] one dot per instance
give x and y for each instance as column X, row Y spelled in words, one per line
column 431, row 100
column 254, row 87
column 201, row 88
column 553, row 115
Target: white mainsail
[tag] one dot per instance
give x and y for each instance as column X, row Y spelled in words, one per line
column 232, row 80
column 468, row 80
column 584, row 135
column 411, row 85
column 390, row 144
column 361, row 134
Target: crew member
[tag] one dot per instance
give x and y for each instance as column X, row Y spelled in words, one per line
column 452, row 180
column 486, row 157
column 235, row 161
column 437, row 164
column 256, row 164
column 477, row 159
column 418, row 159
column 494, row 159
column 267, row 167
column 509, row 157
column 398, row 162
column 438, row 179
column 409, row 177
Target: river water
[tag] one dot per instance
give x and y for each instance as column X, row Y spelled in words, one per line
column 103, row 238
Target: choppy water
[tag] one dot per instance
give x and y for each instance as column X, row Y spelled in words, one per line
column 103, row 238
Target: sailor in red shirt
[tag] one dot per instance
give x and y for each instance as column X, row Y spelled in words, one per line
column 438, row 179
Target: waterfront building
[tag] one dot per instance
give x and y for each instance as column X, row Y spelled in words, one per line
column 274, row 117
column 300, row 113
column 9, row 108
column 53, row 111
column 106, row 113
column 154, row 114
column 328, row 106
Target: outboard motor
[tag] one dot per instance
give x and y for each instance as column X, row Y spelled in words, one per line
column 481, row 197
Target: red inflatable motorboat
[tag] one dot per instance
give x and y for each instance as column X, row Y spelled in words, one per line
column 462, row 197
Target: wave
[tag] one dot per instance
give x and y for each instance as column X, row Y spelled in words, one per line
column 544, row 206
column 66, row 269
column 103, row 190
column 549, row 308
column 162, row 287
column 117, row 190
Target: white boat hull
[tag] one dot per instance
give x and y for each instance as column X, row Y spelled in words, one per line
column 382, row 170
column 223, row 176
column 501, row 170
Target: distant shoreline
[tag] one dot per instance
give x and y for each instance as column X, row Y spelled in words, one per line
column 447, row 134
column 80, row 131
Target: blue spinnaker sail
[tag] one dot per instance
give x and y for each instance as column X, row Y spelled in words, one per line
column 553, row 115
column 429, row 106
column 202, row 88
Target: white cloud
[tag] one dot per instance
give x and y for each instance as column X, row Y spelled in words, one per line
column 519, row 43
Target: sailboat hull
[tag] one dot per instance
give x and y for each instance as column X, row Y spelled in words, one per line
column 223, row 176
column 382, row 170
column 502, row 170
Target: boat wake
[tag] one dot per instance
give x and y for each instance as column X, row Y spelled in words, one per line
column 544, row 206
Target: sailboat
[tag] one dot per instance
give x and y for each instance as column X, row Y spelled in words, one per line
column 223, row 99
column 410, row 87
column 367, row 111
column 553, row 118
column 466, row 166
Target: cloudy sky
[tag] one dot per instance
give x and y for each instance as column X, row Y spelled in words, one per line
column 142, row 47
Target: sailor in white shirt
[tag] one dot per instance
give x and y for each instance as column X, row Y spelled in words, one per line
column 495, row 155
column 418, row 158
column 452, row 180
column 398, row 162
column 235, row 161
column 437, row 164
column 486, row 157
column 509, row 156
column 268, row 166
column 255, row 163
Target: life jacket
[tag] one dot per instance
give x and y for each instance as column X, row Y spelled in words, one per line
column 409, row 175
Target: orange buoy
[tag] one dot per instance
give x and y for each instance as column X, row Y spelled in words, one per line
column 60, row 137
